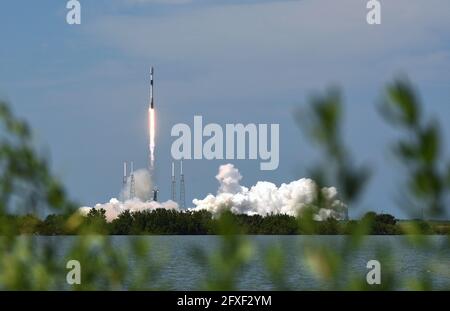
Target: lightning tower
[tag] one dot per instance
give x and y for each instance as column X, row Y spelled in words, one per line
column 124, row 180
column 182, row 187
column 132, row 190
column 173, row 185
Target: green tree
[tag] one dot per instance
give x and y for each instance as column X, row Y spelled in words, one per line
column 122, row 224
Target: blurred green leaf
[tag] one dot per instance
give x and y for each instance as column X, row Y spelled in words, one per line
column 402, row 106
column 429, row 140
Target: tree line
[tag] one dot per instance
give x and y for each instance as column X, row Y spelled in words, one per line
column 172, row 222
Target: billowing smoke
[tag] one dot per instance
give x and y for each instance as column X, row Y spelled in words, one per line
column 115, row 207
column 143, row 192
column 263, row 199
column 266, row 198
column 143, row 186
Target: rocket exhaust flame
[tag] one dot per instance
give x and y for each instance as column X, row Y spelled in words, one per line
column 151, row 129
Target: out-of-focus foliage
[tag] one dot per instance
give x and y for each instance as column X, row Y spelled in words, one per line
column 225, row 264
column 28, row 189
column 420, row 150
column 322, row 122
column 427, row 183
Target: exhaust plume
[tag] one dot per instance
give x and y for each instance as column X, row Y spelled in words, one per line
column 151, row 130
column 143, row 187
column 266, row 198
column 263, row 199
column 115, row 207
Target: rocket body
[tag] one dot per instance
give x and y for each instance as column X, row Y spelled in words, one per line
column 151, row 88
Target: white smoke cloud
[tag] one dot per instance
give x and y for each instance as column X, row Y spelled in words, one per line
column 115, row 207
column 266, row 198
column 143, row 186
column 263, row 199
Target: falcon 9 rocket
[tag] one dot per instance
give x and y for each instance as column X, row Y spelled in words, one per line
column 151, row 125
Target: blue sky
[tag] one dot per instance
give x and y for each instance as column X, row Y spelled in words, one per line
column 84, row 88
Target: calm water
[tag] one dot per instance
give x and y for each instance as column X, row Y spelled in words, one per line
column 182, row 271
